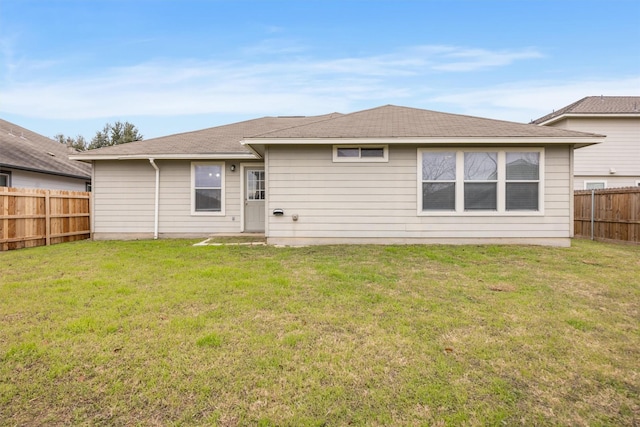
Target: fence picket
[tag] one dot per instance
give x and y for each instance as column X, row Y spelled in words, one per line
column 616, row 214
column 34, row 217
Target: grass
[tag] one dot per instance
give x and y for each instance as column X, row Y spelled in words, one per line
column 164, row 333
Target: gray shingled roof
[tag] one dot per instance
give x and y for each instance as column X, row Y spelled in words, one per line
column 216, row 140
column 616, row 105
column 382, row 122
column 23, row 149
column 391, row 121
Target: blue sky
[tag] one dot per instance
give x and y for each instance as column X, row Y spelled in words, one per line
column 173, row 66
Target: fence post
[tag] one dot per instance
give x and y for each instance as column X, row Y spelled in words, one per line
column 593, row 205
column 47, row 214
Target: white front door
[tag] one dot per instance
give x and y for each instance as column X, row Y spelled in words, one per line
column 254, row 197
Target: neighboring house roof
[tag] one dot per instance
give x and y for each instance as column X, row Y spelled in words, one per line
column 389, row 122
column 618, row 106
column 216, row 141
column 23, row 149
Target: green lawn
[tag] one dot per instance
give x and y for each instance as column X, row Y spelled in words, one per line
column 164, row 333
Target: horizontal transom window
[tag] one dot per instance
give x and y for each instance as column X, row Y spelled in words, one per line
column 481, row 181
column 355, row 153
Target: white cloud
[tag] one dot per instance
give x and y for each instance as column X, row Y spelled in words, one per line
column 475, row 59
column 527, row 100
column 295, row 85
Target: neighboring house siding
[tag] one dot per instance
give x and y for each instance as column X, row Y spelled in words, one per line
column 620, row 151
column 369, row 202
column 124, row 201
column 27, row 179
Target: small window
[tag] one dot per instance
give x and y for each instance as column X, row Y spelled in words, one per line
column 208, row 188
column 523, row 181
column 480, row 181
column 87, row 186
column 595, row 185
column 5, row 179
column 439, row 181
column 352, row 153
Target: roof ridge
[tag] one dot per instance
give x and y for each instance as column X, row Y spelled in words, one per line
column 329, row 116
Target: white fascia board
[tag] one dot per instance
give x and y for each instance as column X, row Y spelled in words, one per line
column 578, row 141
column 254, row 150
column 590, row 115
column 218, row 156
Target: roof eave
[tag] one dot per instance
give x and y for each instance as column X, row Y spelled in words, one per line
column 183, row 156
column 588, row 115
column 48, row 172
column 581, row 141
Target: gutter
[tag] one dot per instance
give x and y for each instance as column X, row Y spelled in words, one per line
column 157, row 199
column 66, row 175
column 195, row 156
column 564, row 116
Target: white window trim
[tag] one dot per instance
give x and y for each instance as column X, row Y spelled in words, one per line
column 501, row 211
column 595, row 181
column 193, row 189
column 8, row 175
column 383, row 159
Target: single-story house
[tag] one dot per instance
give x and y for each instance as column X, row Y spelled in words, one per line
column 385, row 175
column 30, row 160
column 616, row 163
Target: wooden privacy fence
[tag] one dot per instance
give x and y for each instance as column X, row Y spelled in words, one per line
column 610, row 214
column 31, row 217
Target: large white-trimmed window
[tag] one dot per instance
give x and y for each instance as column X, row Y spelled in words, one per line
column 207, row 188
column 595, row 185
column 360, row 153
column 480, row 182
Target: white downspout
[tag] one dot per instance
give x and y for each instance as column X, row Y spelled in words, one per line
column 157, row 201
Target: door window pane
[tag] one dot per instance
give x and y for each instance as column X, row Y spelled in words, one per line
column 255, row 185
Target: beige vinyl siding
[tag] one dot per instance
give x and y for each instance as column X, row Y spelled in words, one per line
column 124, row 200
column 363, row 201
column 620, row 151
column 123, row 197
